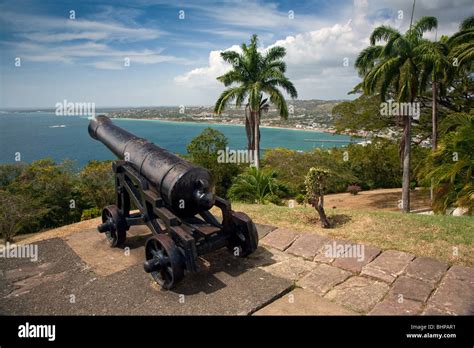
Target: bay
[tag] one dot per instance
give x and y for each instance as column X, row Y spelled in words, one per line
column 36, row 135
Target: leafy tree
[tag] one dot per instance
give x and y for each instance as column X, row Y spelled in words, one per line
column 53, row 186
column 96, row 184
column 9, row 172
column 257, row 186
column 292, row 167
column 361, row 114
column 254, row 75
column 204, row 149
column 17, row 212
column 315, row 189
column 394, row 70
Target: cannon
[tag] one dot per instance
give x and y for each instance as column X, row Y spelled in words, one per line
column 173, row 198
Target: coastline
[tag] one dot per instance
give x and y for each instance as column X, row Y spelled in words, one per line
column 210, row 122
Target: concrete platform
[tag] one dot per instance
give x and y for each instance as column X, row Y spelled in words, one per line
column 81, row 274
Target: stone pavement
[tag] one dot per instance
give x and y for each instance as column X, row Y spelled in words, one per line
column 290, row 274
column 339, row 277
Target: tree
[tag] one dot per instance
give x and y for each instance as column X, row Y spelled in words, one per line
column 204, row 151
column 17, row 212
column 53, row 186
column 438, row 68
column 9, row 172
column 256, row 186
column 451, row 166
column 253, row 76
column 394, row 70
column 96, row 184
column 315, row 189
column 462, row 45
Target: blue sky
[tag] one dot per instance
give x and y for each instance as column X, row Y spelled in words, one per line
column 175, row 61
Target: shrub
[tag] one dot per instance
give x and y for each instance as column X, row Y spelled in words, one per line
column 300, row 198
column 353, row 189
column 257, row 186
column 91, row 213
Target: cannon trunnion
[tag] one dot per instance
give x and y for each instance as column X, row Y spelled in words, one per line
column 173, row 198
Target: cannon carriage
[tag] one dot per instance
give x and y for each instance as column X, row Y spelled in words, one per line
column 174, row 199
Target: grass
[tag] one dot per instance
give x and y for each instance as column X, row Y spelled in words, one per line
column 446, row 238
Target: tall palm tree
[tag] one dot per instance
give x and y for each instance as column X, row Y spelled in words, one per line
column 438, row 68
column 252, row 77
column 394, row 70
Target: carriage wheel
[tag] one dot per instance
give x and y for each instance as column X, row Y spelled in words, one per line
column 163, row 261
column 113, row 225
column 244, row 239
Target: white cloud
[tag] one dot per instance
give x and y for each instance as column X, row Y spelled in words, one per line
column 206, row 76
column 315, row 58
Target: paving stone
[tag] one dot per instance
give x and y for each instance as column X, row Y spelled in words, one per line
column 358, row 293
column 426, row 269
column 388, row 265
column 430, row 310
column 303, row 302
column 352, row 262
column 291, row 269
column 280, row 239
column 263, row 230
column 391, row 306
column 265, row 257
column 455, row 293
column 327, row 253
column 323, row 278
column 307, row 245
column 411, row 289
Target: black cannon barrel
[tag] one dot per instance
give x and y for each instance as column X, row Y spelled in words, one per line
column 185, row 188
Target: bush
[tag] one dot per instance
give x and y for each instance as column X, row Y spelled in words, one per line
column 353, row 189
column 300, row 198
column 91, row 213
column 257, row 186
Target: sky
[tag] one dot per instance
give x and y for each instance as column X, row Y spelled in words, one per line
column 167, row 53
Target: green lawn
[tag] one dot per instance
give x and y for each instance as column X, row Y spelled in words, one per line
column 436, row 236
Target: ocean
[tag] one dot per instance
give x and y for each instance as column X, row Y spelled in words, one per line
column 36, row 135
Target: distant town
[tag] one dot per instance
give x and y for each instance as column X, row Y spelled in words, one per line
column 304, row 114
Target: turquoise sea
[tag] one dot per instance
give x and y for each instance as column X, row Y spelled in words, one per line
column 38, row 134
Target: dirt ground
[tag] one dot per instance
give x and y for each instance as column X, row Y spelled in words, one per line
column 382, row 199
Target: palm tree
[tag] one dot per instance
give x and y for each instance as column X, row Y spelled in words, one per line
column 462, row 45
column 451, row 166
column 256, row 186
column 253, row 76
column 394, row 70
column 438, row 68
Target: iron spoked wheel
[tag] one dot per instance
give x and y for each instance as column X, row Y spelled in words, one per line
column 163, row 261
column 244, row 240
column 114, row 225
